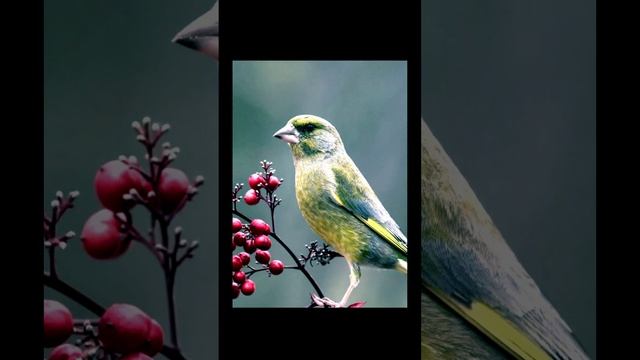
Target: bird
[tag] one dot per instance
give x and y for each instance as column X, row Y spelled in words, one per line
column 477, row 300
column 338, row 203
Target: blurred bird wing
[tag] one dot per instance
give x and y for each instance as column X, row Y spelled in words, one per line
column 467, row 262
column 354, row 194
column 495, row 326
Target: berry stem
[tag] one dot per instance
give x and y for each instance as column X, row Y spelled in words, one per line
column 299, row 265
column 52, row 262
column 253, row 271
column 169, row 279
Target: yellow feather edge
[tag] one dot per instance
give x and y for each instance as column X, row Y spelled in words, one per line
column 496, row 327
column 379, row 229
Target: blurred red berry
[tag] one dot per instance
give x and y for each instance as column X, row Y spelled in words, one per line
column 123, row 328
column 259, row 227
column 239, row 238
column 276, row 267
column 248, row 287
column 239, row 277
column 252, row 197
column 263, row 256
column 236, row 263
column 172, row 189
column 136, row 356
column 262, row 242
column 66, row 352
column 235, row 290
column 236, row 225
column 249, row 246
column 273, row 183
column 246, row 258
column 115, row 179
column 357, row 304
column 101, row 236
column 256, row 181
column 155, row 339
column 233, row 244
column 58, row 323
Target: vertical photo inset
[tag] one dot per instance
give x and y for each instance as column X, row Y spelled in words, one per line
column 320, row 184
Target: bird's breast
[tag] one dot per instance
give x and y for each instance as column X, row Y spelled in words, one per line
column 335, row 226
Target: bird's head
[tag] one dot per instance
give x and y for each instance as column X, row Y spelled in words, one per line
column 310, row 136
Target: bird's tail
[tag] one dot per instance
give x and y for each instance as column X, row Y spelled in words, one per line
column 401, row 266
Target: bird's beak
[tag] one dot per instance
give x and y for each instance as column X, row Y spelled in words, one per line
column 288, row 134
column 202, row 34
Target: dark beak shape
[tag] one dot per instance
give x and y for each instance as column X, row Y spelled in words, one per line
column 202, row 34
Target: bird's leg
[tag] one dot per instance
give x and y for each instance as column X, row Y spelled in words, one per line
column 354, row 280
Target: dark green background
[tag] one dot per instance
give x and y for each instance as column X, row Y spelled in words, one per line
column 508, row 88
column 367, row 103
column 108, row 63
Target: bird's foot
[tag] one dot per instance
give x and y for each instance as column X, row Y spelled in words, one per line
column 325, row 302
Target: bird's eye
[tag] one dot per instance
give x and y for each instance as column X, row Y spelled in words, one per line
column 308, row 127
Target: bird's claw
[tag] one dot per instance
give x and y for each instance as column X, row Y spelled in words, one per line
column 325, row 302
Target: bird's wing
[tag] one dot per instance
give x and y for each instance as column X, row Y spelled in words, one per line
column 353, row 193
column 467, row 264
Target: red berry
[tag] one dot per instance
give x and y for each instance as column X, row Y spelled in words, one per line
column 357, row 304
column 101, row 236
column 239, row 277
column 252, row 197
column 256, row 181
column 273, row 183
column 246, row 258
column 263, row 256
column 124, row 328
column 236, row 225
column 236, row 263
column 172, row 189
column 263, row 242
column 66, row 352
column 250, row 246
column 233, row 244
column 115, row 179
column 239, row 238
column 155, row 339
column 259, row 227
column 276, row 267
column 248, row 287
column 136, row 356
column 58, row 323
column 235, row 290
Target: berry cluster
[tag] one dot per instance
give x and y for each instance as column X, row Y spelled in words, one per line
column 254, row 236
column 123, row 331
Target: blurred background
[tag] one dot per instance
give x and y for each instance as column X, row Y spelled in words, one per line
column 367, row 102
column 106, row 64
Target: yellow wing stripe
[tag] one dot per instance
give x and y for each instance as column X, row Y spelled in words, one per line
column 382, row 231
column 497, row 327
column 379, row 229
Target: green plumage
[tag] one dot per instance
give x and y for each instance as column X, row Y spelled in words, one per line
column 337, row 201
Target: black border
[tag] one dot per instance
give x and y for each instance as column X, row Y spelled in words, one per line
column 325, row 31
